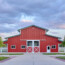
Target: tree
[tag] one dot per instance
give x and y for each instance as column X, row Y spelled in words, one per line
column 63, row 43
column 1, row 43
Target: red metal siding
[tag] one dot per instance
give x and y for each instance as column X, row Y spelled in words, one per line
column 49, row 41
column 32, row 33
column 17, row 42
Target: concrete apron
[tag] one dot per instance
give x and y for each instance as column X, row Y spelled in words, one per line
column 33, row 59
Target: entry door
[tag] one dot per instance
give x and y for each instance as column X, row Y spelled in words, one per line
column 48, row 49
column 29, row 46
column 36, row 46
column 32, row 46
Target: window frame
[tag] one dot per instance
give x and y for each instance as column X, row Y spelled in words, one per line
column 53, row 45
column 28, row 44
column 37, row 44
column 13, row 45
column 23, row 48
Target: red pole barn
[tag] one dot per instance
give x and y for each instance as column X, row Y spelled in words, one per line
column 33, row 39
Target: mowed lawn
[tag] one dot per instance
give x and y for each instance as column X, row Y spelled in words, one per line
column 3, row 58
column 11, row 53
column 61, row 57
column 53, row 53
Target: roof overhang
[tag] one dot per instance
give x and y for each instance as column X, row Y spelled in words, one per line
column 54, row 36
column 12, row 36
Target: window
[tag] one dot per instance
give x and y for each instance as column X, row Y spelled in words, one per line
column 13, row 46
column 36, row 43
column 53, row 46
column 29, row 43
column 48, row 47
column 23, row 46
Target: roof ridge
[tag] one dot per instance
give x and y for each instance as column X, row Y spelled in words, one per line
column 33, row 25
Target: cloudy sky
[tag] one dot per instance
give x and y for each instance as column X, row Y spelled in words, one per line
column 16, row 14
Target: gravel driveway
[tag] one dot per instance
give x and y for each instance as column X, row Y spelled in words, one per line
column 33, row 59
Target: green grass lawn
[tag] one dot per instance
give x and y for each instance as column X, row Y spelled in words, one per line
column 11, row 53
column 61, row 57
column 54, row 53
column 3, row 58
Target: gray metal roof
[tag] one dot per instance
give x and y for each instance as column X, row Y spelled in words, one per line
column 34, row 26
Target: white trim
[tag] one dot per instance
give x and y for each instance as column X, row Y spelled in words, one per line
column 13, row 45
column 50, row 48
column 29, row 40
column 33, row 40
column 33, row 45
column 23, row 45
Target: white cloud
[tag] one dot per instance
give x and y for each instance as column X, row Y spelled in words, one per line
column 4, row 35
column 57, row 32
column 25, row 18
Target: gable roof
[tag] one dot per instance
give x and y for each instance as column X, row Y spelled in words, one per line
column 52, row 36
column 34, row 26
column 31, row 26
column 60, row 40
column 13, row 36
